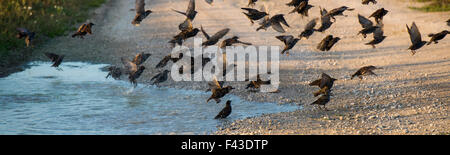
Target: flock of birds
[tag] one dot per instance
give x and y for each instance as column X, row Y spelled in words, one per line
column 135, row 68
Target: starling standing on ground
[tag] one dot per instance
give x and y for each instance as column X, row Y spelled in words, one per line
column 302, row 8
column 364, row 71
column 56, row 59
column 254, row 14
column 83, row 30
column 366, row 2
column 215, row 38
column 231, row 41
column 226, row 111
column 190, row 12
column 115, row 72
column 339, row 11
column 219, row 91
column 327, row 43
column 378, row 37
column 274, row 22
column 416, row 38
column 325, row 20
column 141, row 13
column 309, row 29
column 168, row 58
column 289, row 42
column 25, row 33
column 326, row 82
column 379, row 14
column 367, row 26
column 323, row 100
column 134, row 71
column 251, row 3
column 438, row 36
column 161, row 77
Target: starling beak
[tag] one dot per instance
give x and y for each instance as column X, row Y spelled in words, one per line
column 83, row 30
column 274, row 22
column 379, row 14
column 302, row 8
column 215, row 38
column 141, row 13
column 327, row 43
column 56, row 59
column 168, row 58
column 25, row 33
column 289, row 42
column 339, row 11
column 366, row 2
column 438, row 36
column 416, row 38
column 114, row 72
column 254, row 14
column 364, row 71
column 323, row 100
column 161, row 77
column 309, row 29
column 251, row 3
column 190, row 12
column 378, row 37
column 325, row 83
column 231, row 41
column 225, row 112
column 219, row 91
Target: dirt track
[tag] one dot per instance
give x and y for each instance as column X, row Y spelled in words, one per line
column 409, row 96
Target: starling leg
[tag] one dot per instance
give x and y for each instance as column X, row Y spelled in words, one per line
column 373, row 46
column 325, row 108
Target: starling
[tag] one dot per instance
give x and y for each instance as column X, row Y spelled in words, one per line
column 379, row 14
column 140, row 58
column 187, row 31
column 274, row 22
column 161, row 77
column 215, row 38
column 367, row 26
column 56, row 59
column 257, row 84
column 323, row 100
column 212, row 85
column 438, row 36
column 295, row 3
column 231, row 41
column 327, row 43
column 254, row 14
column 302, row 9
column 309, row 29
column 115, row 72
column 325, row 20
column 364, row 71
column 366, row 2
column 251, row 3
column 326, row 82
column 416, row 38
column 209, row 1
column 141, row 13
column 448, row 22
column 134, row 71
column 83, row 30
column 289, row 42
column 25, row 33
column 168, row 58
column 190, row 12
column 339, row 11
column 219, row 91
column 226, row 111
column 378, row 37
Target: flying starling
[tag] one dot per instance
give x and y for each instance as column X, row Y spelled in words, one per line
column 56, row 59
column 438, row 36
column 134, row 71
column 379, row 14
column 366, row 2
column 295, row 3
column 141, row 13
column 323, row 100
column 302, row 9
column 325, row 83
column 219, row 91
column 25, row 33
column 83, row 30
column 289, row 42
column 364, row 71
column 161, row 77
column 416, row 38
column 274, row 22
column 325, row 20
column 226, row 111
column 215, row 38
column 367, row 26
column 378, row 37
column 251, row 3
column 327, row 43
column 309, row 29
column 187, row 31
column 190, row 12
column 115, row 72
column 168, row 58
column 231, row 41
column 339, row 11
column 253, row 14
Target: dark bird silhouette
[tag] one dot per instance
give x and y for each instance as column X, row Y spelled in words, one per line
column 215, row 38
column 448, row 22
column 366, row 2
column 378, row 37
column 274, row 22
column 168, row 58
column 190, row 12
column 436, row 37
column 225, row 112
column 253, row 14
column 141, row 13
column 302, row 9
column 251, row 3
column 209, row 2
column 364, row 71
column 160, row 78
column 295, row 3
column 187, row 31
column 367, row 26
column 289, row 42
column 309, row 29
column 379, row 14
column 231, row 41
column 83, row 30
column 326, row 82
column 140, row 58
column 325, row 21
column 56, row 59
column 115, row 72
column 339, row 11
column 25, row 33
column 416, row 38
column 257, row 84
column 323, row 100
column 327, row 43
column 134, row 71
column 219, row 91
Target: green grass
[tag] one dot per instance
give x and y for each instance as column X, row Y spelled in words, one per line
column 48, row 18
column 434, row 6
